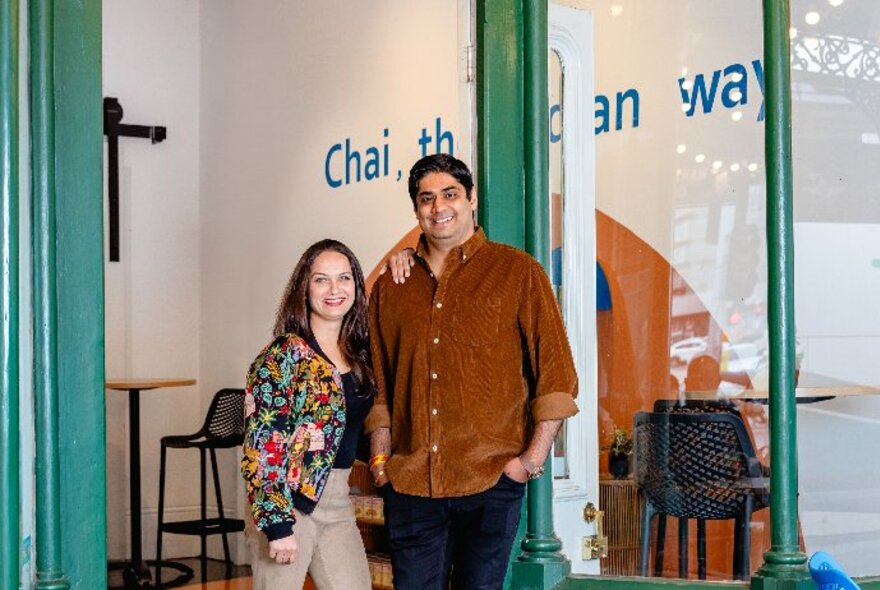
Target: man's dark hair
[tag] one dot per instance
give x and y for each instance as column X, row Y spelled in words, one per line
column 440, row 163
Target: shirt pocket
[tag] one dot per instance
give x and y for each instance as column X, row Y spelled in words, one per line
column 475, row 319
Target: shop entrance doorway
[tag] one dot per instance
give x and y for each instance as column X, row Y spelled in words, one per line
column 573, row 256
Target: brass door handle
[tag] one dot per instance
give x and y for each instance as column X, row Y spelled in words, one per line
column 594, row 546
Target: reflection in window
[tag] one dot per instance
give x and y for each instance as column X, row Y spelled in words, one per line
column 560, row 464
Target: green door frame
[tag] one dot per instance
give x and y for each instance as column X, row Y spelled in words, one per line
column 9, row 198
column 67, row 186
column 79, row 278
column 49, row 571
column 66, row 155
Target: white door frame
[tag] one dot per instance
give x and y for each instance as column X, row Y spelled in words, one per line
column 571, row 37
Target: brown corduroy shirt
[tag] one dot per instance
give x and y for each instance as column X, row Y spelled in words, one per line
column 465, row 365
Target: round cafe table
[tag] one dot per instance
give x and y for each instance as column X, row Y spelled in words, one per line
column 811, row 387
column 135, row 571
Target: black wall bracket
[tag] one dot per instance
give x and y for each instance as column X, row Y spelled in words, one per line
column 114, row 129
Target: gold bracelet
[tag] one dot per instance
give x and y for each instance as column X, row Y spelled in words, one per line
column 378, row 459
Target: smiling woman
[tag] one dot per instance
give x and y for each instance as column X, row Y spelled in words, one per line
column 308, row 393
column 331, row 288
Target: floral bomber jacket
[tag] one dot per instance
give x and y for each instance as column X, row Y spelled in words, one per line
column 294, row 421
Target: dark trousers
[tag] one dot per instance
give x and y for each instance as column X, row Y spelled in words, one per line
column 472, row 536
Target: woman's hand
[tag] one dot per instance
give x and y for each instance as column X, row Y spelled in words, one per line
column 399, row 264
column 283, row 550
column 515, row 470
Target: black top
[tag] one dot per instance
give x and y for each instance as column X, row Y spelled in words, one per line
column 356, row 410
column 357, row 406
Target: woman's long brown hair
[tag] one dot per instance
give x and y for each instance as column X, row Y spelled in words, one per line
column 354, row 336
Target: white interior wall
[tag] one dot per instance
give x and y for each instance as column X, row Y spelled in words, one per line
column 151, row 64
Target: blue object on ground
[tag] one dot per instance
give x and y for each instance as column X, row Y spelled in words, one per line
column 828, row 574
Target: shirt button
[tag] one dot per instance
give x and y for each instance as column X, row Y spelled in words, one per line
column 439, row 305
column 433, row 375
column 434, row 448
column 434, row 411
column 436, row 341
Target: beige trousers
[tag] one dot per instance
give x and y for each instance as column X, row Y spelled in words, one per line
column 329, row 546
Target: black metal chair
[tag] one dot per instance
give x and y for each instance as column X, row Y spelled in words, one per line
column 685, row 406
column 699, row 465
column 223, row 429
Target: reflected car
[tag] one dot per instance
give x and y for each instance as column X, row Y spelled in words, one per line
column 743, row 357
column 681, row 352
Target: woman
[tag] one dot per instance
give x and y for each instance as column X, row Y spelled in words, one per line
column 308, row 393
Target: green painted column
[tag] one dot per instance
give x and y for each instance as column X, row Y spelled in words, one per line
column 79, row 280
column 499, row 165
column 42, row 126
column 500, row 144
column 536, row 130
column 9, row 194
column 541, row 563
column 784, row 565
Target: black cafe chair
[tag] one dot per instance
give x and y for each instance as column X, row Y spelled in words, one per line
column 223, row 429
column 699, row 465
column 685, row 406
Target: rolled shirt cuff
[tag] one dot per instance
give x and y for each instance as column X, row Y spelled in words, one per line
column 377, row 418
column 553, row 406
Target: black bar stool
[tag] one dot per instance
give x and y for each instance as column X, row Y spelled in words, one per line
column 223, row 429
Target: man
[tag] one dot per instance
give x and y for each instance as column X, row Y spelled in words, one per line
column 475, row 377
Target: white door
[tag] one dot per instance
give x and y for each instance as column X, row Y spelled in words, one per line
column 573, row 215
